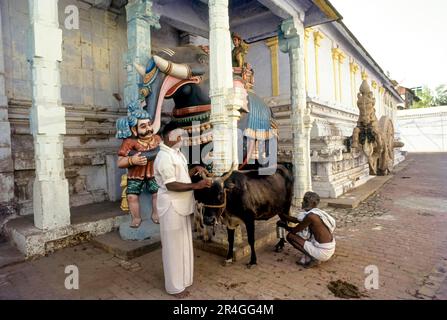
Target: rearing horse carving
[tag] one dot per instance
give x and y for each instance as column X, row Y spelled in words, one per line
column 376, row 138
column 182, row 74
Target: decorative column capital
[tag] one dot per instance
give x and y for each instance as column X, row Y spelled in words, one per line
column 142, row 10
column 341, row 57
column 338, row 55
column 374, row 84
column 318, row 36
column 381, row 89
column 307, row 32
column 364, row 75
column 288, row 36
column 354, row 67
column 272, row 42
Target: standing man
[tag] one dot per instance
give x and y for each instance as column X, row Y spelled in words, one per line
column 175, row 205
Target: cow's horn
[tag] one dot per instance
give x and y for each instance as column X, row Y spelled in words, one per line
column 208, row 174
column 180, row 71
column 140, row 69
column 228, row 174
column 203, row 175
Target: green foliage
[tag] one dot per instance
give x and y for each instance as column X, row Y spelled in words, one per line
column 441, row 95
column 427, row 99
column 432, row 99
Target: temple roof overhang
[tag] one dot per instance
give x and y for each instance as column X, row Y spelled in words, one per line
column 254, row 20
column 192, row 15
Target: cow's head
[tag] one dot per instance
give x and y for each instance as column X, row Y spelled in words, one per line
column 214, row 199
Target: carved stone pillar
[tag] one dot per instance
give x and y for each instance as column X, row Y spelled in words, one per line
column 221, row 85
column 140, row 19
column 290, row 33
column 50, row 194
column 6, row 164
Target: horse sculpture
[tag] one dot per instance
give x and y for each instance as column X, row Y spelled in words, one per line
column 182, row 74
column 376, row 138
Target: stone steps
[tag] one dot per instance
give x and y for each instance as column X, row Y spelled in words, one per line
column 87, row 222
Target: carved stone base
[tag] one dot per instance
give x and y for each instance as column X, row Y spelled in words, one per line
column 334, row 170
column 398, row 156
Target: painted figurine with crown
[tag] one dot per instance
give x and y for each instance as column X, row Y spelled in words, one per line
column 137, row 154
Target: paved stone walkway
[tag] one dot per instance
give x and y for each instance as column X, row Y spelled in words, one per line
column 402, row 230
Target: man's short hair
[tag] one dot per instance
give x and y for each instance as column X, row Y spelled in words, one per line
column 312, row 198
column 171, row 126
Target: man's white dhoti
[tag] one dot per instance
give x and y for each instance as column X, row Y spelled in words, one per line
column 175, row 210
column 320, row 251
column 177, row 251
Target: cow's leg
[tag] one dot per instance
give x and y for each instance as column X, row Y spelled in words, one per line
column 280, row 233
column 230, row 233
column 250, row 225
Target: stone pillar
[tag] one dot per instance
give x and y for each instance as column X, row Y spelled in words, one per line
column 291, row 32
column 47, row 117
column 272, row 44
column 140, row 19
column 221, row 84
column 6, row 164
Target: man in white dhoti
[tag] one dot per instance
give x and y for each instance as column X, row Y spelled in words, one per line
column 175, row 205
column 313, row 235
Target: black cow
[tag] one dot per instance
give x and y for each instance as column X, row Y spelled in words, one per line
column 246, row 196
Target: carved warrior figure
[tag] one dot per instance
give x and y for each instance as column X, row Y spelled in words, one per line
column 376, row 138
column 137, row 154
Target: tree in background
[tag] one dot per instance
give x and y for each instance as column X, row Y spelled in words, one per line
column 430, row 98
column 427, row 99
column 441, row 95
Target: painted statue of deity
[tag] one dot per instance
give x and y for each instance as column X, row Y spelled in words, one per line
column 240, row 67
column 137, row 154
column 239, row 52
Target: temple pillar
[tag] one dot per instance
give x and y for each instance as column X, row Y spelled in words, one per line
column 221, row 86
column 47, row 117
column 140, row 19
column 291, row 32
column 6, row 164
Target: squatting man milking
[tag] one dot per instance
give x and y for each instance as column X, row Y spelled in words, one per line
column 312, row 234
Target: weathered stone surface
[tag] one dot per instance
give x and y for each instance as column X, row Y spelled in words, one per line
column 9, row 255
column 6, row 164
column 353, row 198
column 6, row 187
column 127, row 250
column 87, row 221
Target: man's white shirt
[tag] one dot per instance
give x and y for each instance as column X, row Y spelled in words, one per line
column 172, row 166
